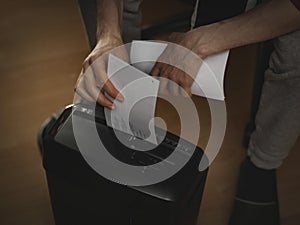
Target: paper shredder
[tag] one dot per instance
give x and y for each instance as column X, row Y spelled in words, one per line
column 80, row 196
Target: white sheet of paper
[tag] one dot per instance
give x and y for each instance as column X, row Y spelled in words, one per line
column 209, row 80
column 136, row 113
column 144, row 54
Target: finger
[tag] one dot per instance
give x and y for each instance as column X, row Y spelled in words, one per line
column 186, row 82
column 112, row 91
column 186, row 86
column 89, row 61
column 186, row 91
column 88, row 84
column 101, row 80
column 169, row 70
column 156, row 69
column 79, row 79
column 165, row 70
column 83, row 94
column 102, row 100
column 173, row 88
column 173, row 82
column 99, row 97
column 85, row 65
column 104, row 83
column 81, row 89
column 163, row 86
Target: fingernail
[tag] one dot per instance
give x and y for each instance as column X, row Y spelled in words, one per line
column 120, row 98
column 112, row 107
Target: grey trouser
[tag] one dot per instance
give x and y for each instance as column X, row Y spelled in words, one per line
column 132, row 19
column 278, row 117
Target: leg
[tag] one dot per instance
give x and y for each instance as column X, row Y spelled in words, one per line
column 277, row 129
column 278, row 117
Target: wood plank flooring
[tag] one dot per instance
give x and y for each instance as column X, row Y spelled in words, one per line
column 42, row 46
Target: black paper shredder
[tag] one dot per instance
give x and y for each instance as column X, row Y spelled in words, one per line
column 80, row 196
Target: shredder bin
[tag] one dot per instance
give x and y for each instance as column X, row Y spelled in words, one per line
column 80, row 196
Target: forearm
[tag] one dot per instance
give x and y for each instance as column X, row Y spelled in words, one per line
column 267, row 21
column 109, row 19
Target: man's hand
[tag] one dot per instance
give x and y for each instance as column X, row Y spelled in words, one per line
column 177, row 64
column 93, row 78
column 259, row 24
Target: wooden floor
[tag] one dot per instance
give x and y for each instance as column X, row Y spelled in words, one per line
column 42, row 46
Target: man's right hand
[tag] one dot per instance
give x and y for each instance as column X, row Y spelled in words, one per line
column 93, row 78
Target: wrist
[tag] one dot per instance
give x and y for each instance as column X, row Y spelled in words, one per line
column 210, row 39
column 109, row 38
column 204, row 50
